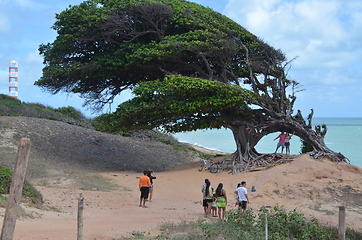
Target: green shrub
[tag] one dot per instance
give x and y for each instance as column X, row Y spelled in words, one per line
column 102, row 122
column 305, row 147
column 70, row 112
column 28, row 192
column 10, row 106
column 5, row 179
column 282, row 225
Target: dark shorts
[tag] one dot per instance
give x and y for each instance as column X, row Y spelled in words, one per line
column 280, row 144
column 144, row 192
column 204, row 203
column 242, row 204
column 287, row 144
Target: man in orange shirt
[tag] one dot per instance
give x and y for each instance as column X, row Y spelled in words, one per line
column 144, row 185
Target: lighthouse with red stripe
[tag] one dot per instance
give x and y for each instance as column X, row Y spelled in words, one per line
column 13, row 79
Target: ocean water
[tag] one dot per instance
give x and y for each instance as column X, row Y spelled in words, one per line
column 344, row 135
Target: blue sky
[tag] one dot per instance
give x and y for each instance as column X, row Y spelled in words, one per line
column 325, row 35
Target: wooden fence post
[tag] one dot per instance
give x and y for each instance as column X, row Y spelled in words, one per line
column 80, row 217
column 266, row 222
column 16, row 187
column 342, row 223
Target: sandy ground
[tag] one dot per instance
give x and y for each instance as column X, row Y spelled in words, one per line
column 314, row 187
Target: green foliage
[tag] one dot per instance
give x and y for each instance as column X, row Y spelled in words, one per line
column 305, row 147
column 178, row 104
column 5, row 179
column 10, row 106
column 28, row 190
column 3, row 198
column 32, row 194
column 70, row 112
column 102, row 122
column 282, row 225
column 184, row 62
column 105, row 47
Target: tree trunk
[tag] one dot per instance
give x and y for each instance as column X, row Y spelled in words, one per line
column 247, row 137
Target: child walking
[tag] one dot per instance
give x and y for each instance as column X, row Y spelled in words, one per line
column 213, row 206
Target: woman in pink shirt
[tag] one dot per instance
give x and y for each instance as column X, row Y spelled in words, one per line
column 281, row 142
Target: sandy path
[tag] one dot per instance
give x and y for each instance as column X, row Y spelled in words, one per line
column 177, row 197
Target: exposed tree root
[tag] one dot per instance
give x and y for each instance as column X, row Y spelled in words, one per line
column 266, row 161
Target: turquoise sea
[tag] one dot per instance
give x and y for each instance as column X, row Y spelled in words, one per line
column 344, row 135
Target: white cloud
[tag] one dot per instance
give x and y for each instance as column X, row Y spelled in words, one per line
column 34, row 57
column 334, row 96
column 334, row 77
column 315, row 30
column 313, row 45
column 24, row 3
column 4, row 23
column 326, row 35
column 258, row 19
column 4, row 83
column 36, row 5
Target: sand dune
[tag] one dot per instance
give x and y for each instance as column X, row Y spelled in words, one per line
column 314, row 187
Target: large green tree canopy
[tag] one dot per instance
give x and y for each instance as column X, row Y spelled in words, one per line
column 189, row 66
column 179, row 103
column 104, row 47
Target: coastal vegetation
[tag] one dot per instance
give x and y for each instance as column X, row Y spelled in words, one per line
column 189, row 68
column 251, row 225
column 59, row 128
column 282, row 225
column 13, row 108
column 29, row 193
column 10, row 106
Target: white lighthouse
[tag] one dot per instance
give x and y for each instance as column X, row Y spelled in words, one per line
column 13, row 79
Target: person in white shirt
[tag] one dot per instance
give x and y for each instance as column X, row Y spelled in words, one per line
column 242, row 193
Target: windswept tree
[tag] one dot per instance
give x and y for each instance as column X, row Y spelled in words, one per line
column 190, row 68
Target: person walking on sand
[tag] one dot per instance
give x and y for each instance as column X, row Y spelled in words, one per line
column 221, row 201
column 242, row 196
column 144, row 184
column 237, row 197
column 151, row 175
column 281, row 142
column 204, row 203
column 213, row 206
column 208, row 198
column 287, row 143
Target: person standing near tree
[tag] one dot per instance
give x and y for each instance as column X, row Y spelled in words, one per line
column 144, row 184
column 208, row 195
column 221, row 201
column 287, row 143
column 213, row 206
column 243, row 198
column 281, row 142
column 204, row 203
column 151, row 175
